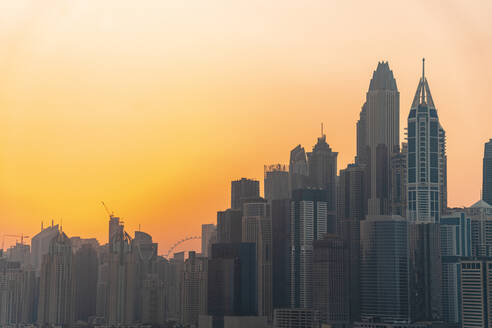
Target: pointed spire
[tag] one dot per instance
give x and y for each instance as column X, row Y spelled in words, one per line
column 423, row 68
column 423, row 94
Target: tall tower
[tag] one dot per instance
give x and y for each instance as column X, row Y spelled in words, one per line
column 425, row 157
column 379, row 136
column 309, row 216
column 242, row 190
column 322, row 168
column 56, row 283
column 487, row 173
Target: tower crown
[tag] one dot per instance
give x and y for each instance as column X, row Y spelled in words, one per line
column 423, row 95
column 382, row 78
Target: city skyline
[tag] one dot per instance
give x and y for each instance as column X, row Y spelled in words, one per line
column 59, row 160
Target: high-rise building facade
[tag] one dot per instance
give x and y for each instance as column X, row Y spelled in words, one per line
column 276, row 182
column 480, row 214
column 209, row 236
column 384, row 269
column 379, row 136
column 476, row 292
column 352, row 193
column 425, row 157
column 298, row 169
column 257, row 229
column 425, row 271
column 331, row 280
column 281, row 236
column 399, row 182
column 40, row 245
column 86, row 271
column 296, row 318
column 309, row 215
column 232, row 286
column 194, row 290
column 10, row 292
column 243, row 189
column 56, row 283
column 487, row 173
column 455, row 242
column 229, row 226
column 121, row 286
column 322, row 168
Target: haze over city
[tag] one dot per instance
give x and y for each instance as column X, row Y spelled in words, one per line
column 154, row 107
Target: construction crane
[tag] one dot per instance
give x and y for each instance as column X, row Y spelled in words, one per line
column 110, row 213
column 22, row 236
column 179, row 243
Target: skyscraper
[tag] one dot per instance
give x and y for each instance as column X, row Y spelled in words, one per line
column 232, row 285
column 399, row 182
column 298, row 169
column 455, row 244
column 86, row 269
column 40, row 245
column 331, row 279
column 352, row 194
column 209, row 235
column 121, row 281
column 487, row 173
column 481, row 226
column 379, row 136
column 276, row 182
column 243, row 189
column 56, row 284
column 229, row 226
column 194, row 290
column 10, row 296
column 322, row 168
column 425, row 272
column 476, row 292
column 257, row 228
column 281, row 236
column 309, row 215
column 425, row 178
column 384, row 269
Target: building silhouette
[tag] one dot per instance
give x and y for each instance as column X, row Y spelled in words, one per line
column 379, row 136
column 476, row 293
column 480, row 214
column 56, row 283
column 209, row 236
column 232, row 280
column 425, row 272
column 276, row 182
column 298, row 169
column 487, row 173
column 86, row 270
column 455, row 242
column 331, row 280
column 309, row 215
column 399, row 182
column 257, row 229
column 229, row 226
column 322, row 168
column 194, row 290
column 281, row 236
column 384, row 269
column 40, row 245
column 243, row 189
column 425, row 157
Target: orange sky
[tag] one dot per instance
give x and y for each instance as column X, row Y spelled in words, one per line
column 154, row 106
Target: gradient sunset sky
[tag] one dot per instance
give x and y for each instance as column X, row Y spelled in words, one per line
column 155, row 106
